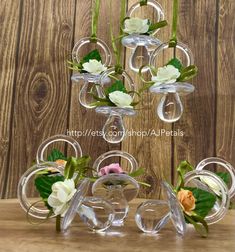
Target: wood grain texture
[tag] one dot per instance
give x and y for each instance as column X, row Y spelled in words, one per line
column 9, row 21
column 82, row 119
column 38, row 99
column 225, row 107
column 18, row 235
column 42, row 81
column 153, row 152
column 198, row 27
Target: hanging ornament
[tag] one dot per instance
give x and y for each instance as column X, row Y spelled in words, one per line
column 171, row 67
column 139, row 34
column 118, row 93
column 91, row 65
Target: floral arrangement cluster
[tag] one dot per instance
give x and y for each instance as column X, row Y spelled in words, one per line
column 57, row 190
column 90, row 63
column 195, row 202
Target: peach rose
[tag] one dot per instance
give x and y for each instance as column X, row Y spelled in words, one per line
column 61, row 162
column 187, row 201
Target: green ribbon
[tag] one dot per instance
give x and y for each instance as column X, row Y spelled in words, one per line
column 117, row 49
column 143, row 2
column 94, row 23
column 173, row 40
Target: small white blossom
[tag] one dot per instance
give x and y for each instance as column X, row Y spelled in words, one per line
column 121, row 99
column 167, row 74
column 62, row 193
column 94, row 67
column 136, row 25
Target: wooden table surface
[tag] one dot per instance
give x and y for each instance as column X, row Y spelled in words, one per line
column 16, row 234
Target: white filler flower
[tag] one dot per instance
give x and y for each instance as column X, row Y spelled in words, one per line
column 121, row 99
column 212, row 185
column 136, row 25
column 62, row 193
column 94, row 67
column 167, row 74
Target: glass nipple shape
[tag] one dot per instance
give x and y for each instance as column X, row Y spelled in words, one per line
column 113, row 130
column 139, row 57
column 85, row 97
column 97, row 213
column 170, row 108
column 119, row 203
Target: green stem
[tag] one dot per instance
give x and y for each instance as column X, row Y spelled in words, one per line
column 94, row 23
column 58, row 219
column 143, row 2
column 173, row 40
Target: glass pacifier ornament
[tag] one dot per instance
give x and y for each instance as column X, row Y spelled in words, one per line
column 171, row 67
column 90, row 66
column 96, row 213
column 191, row 202
column 119, row 92
column 139, row 34
column 115, row 184
column 52, row 166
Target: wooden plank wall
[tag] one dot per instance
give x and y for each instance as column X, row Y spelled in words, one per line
column 38, row 99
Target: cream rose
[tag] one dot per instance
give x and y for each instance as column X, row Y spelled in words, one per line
column 136, row 25
column 121, row 99
column 212, row 185
column 62, row 193
column 94, row 67
column 187, row 201
column 167, row 74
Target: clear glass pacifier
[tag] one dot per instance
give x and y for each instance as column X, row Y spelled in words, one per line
column 170, row 107
column 114, row 130
column 117, row 188
column 96, row 213
column 142, row 45
column 90, row 82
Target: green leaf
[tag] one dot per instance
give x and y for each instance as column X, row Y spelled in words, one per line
column 55, row 155
column 43, row 184
column 225, row 176
column 91, row 55
column 204, row 201
column 182, row 169
column 188, row 73
column 176, row 63
column 116, row 86
column 137, row 173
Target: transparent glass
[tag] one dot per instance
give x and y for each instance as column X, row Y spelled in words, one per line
column 90, row 83
column 58, row 138
column 119, row 189
column 97, row 165
column 95, row 212
column 142, row 45
column 114, row 130
column 149, row 216
column 197, row 179
column 226, row 165
column 26, row 186
column 170, row 107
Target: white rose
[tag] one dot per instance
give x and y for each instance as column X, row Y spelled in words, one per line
column 121, row 99
column 94, row 67
column 136, row 25
column 62, row 193
column 212, row 185
column 167, row 74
